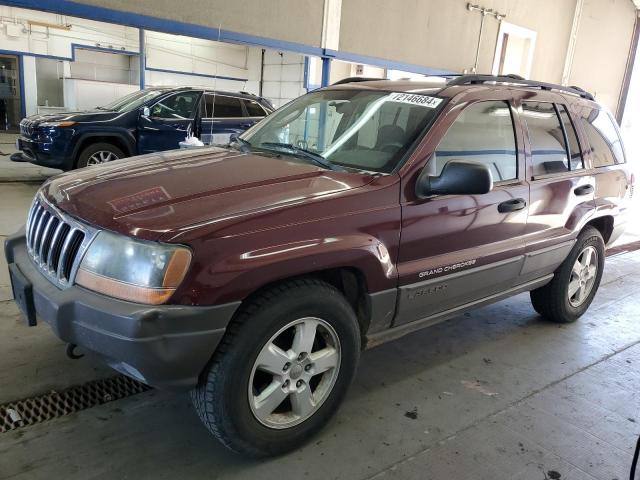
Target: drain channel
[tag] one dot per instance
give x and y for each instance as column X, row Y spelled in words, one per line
column 30, row 411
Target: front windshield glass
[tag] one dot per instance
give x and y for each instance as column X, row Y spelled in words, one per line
column 131, row 101
column 366, row 130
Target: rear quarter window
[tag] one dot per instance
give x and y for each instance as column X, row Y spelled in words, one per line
column 605, row 145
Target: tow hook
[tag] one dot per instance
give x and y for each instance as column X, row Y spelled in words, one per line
column 71, row 353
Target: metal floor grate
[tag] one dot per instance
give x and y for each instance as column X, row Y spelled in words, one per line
column 41, row 408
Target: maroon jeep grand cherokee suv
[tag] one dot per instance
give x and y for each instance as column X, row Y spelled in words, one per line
column 253, row 276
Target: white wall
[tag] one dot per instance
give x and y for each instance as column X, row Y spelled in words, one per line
column 172, row 60
column 86, row 94
column 283, row 77
column 30, row 89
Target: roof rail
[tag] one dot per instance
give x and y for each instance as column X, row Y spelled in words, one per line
column 517, row 79
column 356, row 79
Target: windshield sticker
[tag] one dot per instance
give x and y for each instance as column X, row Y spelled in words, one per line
column 421, row 100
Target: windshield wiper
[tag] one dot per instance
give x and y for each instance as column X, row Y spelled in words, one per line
column 104, row 108
column 314, row 157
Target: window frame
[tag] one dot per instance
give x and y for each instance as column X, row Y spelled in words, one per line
column 512, row 116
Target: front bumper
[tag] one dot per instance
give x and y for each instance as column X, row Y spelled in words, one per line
column 165, row 346
column 46, row 153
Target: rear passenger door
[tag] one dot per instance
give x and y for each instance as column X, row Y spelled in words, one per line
column 223, row 115
column 458, row 249
column 562, row 190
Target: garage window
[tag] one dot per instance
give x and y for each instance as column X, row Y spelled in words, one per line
column 482, row 133
column 605, row 145
column 548, row 147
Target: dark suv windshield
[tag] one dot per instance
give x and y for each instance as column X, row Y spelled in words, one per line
column 368, row 130
column 131, row 101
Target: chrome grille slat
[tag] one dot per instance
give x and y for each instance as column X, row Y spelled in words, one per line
column 56, row 242
column 34, row 221
column 38, row 231
column 43, row 240
column 54, row 239
column 64, row 253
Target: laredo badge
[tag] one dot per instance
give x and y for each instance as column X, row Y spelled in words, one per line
column 421, row 100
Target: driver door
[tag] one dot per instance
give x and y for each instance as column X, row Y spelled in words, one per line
column 168, row 123
column 459, row 249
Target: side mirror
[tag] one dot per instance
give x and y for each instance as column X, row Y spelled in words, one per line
column 146, row 112
column 458, row 177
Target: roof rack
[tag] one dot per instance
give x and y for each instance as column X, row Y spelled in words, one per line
column 356, row 79
column 517, row 79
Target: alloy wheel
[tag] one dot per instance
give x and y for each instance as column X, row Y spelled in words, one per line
column 294, row 373
column 583, row 276
column 101, row 156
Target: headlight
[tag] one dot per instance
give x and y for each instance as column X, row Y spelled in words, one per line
column 57, row 124
column 134, row 270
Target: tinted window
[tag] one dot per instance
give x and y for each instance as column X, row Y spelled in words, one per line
column 254, row 109
column 606, row 147
column 224, row 107
column 482, row 133
column 548, row 150
column 178, row 106
column 574, row 145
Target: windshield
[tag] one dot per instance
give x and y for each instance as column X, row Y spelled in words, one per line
column 366, row 130
column 131, row 101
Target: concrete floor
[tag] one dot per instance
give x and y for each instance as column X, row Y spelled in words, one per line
column 494, row 394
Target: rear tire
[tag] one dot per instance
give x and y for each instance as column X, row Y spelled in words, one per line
column 239, row 395
column 568, row 295
column 99, row 153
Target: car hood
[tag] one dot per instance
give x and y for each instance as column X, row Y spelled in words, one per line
column 83, row 116
column 156, row 195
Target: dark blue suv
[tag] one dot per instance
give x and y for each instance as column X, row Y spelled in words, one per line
column 146, row 121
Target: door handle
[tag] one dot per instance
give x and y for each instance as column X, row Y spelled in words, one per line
column 583, row 190
column 512, row 205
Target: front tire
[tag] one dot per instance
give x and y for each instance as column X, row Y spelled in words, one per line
column 568, row 295
column 281, row 370
column 99, row 153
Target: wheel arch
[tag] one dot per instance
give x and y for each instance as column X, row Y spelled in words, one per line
column 604, row 225
column 119, row 140
column 348, row 280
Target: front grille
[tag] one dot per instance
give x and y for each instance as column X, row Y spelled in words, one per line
column 55, row 242
column 26, row 127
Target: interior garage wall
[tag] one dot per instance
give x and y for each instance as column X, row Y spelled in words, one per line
column 602, row 48
column 444, row 35
column 289, row 20
column 283, row 77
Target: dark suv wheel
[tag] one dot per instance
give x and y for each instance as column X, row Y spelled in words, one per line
column 575, row 282
column 282, row 369
column 98, row 153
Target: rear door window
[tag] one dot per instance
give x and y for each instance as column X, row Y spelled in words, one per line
column 604, row 141
column 482, row 133
column 548, row 147
column 222, row 106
